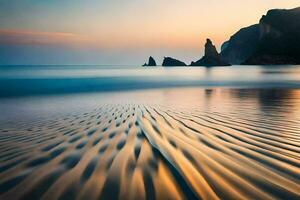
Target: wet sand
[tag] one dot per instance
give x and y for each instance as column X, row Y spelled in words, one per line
column 157, row 144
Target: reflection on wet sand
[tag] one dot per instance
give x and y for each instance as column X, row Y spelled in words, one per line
column 180, row 144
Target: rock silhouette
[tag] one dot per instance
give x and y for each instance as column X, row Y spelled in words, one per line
column 151, row 62
column 241, row 45
column 211, row 57
column 275, row 40
column 169, row 62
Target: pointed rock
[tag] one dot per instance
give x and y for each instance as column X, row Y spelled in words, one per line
column 151, row 62
column 211, row 57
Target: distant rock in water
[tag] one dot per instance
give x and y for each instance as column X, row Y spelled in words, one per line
column 275, row 40
column 151, row 62
column 170, row 62
column 211, row 57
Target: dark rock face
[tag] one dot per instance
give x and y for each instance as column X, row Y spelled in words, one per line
column 224, row 45
column 241, row 45
column 275, row 40
column 151, row 62
column 169, row 62
column 211, row 57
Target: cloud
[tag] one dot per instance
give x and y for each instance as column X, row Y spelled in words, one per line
column 21, row 37
column 102, row 40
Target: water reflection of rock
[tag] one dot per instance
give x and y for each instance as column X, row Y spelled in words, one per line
column 269, row 100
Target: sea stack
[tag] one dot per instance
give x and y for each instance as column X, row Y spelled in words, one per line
column 151, row 62
column 211, row 57
column 171, row 62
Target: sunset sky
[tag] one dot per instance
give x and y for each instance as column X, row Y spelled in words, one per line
column 120, row 31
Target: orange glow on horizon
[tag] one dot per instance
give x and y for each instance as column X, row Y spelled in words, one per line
column 169, row 24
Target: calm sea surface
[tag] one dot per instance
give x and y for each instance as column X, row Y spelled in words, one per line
column 33, row 80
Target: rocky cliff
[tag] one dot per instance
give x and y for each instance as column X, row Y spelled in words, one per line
column 275, row 40
column 241, row 45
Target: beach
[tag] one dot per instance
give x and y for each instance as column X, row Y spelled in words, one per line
column 166, row 143
column 150, row 100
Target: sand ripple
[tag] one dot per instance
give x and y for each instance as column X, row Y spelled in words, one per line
column 146, row 151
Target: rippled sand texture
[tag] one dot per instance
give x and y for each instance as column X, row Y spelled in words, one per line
column 222, row 144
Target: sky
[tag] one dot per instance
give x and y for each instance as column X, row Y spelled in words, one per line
column 120, row 32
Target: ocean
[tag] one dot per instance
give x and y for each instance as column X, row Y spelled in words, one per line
column 40, row 80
